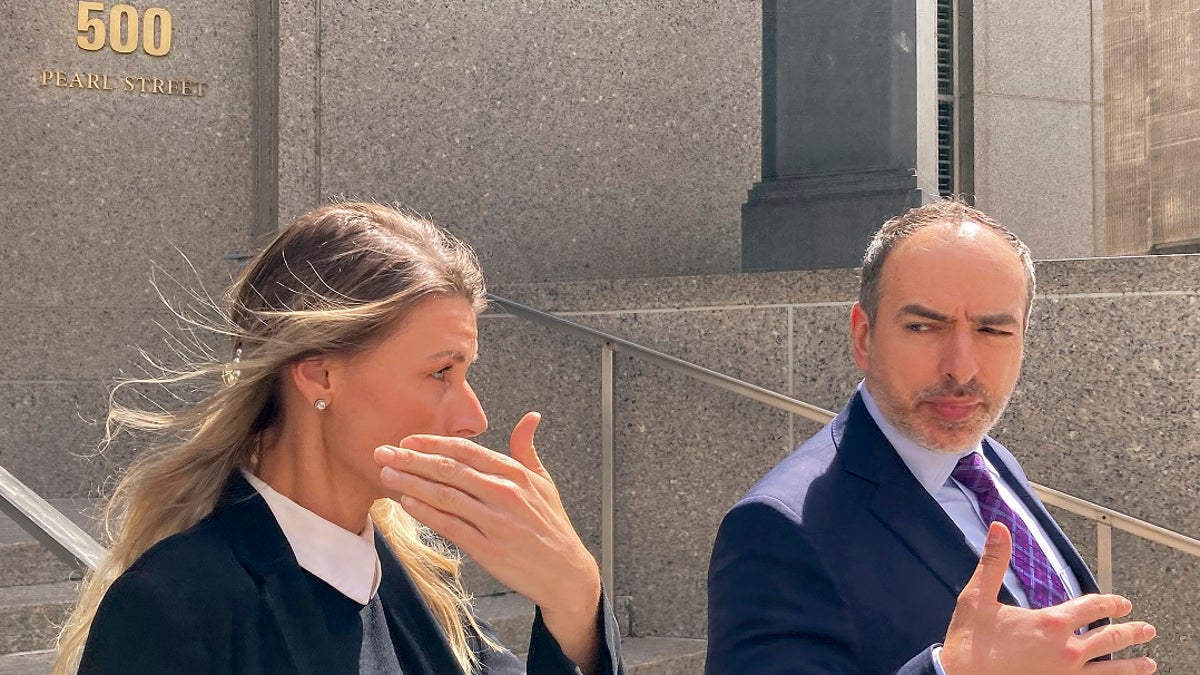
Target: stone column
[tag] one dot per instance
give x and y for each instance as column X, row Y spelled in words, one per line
column 849, row 128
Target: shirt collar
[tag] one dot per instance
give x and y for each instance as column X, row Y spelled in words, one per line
column 931, row 468
column 344, row 560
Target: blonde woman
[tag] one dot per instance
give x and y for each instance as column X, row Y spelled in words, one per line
column 260, row 535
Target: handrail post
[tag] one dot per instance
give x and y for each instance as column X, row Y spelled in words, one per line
column 1104, row 562
column 607, row 469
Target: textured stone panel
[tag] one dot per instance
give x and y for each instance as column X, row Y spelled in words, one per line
column 1177, row 128
column 102, row 185
column 1126, row 69
column 1127, row 208
column 1096, row 54
column 665, row 293
column 1132, row 274
column 615, row 125
column 1174, row 174
column 825, row 372
column 1034, row 48
column 1122, row 27
column 1108, row 409
column 72, row 343
column 1125, row 6
column 1042, row 191
column 49, row 435
column 678, row 475
column 1174, row 60
column 299, row 97
column 744, row 342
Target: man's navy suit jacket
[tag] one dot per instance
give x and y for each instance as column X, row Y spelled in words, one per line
column 838, row 561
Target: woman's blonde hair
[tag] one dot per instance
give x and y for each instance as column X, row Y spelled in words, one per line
column 335, row 281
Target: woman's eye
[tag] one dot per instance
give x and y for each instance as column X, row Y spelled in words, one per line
column 441, row 374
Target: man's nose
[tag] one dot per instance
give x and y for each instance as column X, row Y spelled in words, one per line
column 469, row 419
column 959, row 362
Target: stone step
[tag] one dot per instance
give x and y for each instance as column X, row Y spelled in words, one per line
column 663, row 656
column 510, row 615
column 30, row 615
column 27, row 663
column 29, row 563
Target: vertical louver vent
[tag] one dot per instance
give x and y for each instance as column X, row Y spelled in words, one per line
column 946, row 96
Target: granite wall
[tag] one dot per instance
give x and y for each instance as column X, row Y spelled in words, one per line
column 591, row 139
column 113, row 165
column 1039, row 121
column 1108, row 409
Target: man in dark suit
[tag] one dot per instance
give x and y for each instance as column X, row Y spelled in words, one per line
column 900, row 539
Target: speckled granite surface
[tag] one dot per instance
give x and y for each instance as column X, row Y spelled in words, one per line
column 103, row 189
column 586, row 139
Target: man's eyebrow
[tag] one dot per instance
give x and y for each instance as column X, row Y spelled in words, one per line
column 922, row 311
column 998, row 319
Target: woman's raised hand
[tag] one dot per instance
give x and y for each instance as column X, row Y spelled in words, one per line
column 505, row 512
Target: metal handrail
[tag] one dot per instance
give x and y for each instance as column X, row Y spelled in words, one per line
column 48, row 525
column 77, row 548
column 1106, row 519
column 617, row 344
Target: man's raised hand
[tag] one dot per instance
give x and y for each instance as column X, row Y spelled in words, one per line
column 987, row 637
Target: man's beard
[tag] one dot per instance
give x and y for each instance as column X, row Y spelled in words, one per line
column 966, row 433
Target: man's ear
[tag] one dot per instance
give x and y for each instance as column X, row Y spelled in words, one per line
column 311, row 378
column 860, row 336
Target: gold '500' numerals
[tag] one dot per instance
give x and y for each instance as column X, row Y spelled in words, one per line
column 125, row 31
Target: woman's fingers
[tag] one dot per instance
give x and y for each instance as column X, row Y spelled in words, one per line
column 448, row 484
column 461, row 533
column 477, row 528
column 461, row 449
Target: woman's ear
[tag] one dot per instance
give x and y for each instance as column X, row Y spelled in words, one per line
column 311, row 378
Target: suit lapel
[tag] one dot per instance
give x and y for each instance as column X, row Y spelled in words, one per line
column 262, row 547
column 901, row 504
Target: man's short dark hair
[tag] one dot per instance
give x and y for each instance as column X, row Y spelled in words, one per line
column 896, row 230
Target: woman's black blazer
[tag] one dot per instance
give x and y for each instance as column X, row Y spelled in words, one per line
column 227, row 596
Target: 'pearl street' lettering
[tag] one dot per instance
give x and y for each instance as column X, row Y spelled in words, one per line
column 75, row 80
column 130, row 84
column 154, row 85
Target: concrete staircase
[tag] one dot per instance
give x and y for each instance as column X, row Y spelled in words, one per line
column 36, row 591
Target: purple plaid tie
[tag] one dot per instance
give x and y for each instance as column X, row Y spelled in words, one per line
column 1042, row 585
